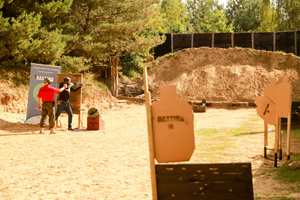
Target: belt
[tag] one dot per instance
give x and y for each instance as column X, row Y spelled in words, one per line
column 48, row 102
column 63, row 101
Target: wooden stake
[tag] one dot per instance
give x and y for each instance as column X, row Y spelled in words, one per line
column 232, row 40
column 274, row 41
column 276, row 136
column 80, row 118
column 276, row 141
column 288, row 136
column 266, row 134
column 112, row 74
column 116, row 75
column 252, row 39
column 279, row 139
column 265, row 138
column 172, row 45
column 150, row 135
column 295, row 42
column 212, row 40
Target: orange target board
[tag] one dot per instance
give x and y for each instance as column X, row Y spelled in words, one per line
column 173, row 128
column 276, row 101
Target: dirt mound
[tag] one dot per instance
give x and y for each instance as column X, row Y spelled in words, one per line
column 13, row 101
column 216, row 74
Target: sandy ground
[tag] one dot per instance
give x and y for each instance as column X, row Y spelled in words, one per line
column 109, row 164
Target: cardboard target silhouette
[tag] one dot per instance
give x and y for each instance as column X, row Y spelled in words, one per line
column 173, row 128
column 274, row 105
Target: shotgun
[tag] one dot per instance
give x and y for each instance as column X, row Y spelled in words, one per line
column 82, row 84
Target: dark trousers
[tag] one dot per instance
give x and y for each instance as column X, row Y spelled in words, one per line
column 47, row 109
column 68, row 109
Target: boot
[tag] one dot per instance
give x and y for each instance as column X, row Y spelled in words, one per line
column 52, row 131
column 41, row 130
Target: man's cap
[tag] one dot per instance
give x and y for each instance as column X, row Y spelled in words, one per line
column 66, row 79
column 48, row 80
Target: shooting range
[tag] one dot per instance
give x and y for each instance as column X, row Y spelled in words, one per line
column 171, row 139
column 274, row 105
column 114, row 163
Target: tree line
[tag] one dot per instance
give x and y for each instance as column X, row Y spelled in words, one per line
column 206, row 16
column 78, row 34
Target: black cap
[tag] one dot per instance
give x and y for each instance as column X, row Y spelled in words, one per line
column 66, row 80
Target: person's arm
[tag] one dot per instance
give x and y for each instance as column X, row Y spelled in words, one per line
column 74, row 90
column 39, row 102
column 61, row 89
column 55, row 90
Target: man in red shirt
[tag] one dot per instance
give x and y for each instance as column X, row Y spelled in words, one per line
column 46, row 95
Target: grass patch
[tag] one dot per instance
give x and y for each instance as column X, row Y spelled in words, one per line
column 97, row 87
column 220, row 144
column 296, row 157
column 251, row 126
column 214, row 146
column 206, row 131
column 295, row 134
column 289, row 174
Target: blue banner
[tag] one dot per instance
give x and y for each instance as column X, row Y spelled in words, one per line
column 38, row 73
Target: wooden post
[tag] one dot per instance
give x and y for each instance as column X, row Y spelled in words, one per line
column 252, row 39
column 80, row 118
column 172, row 46
column 279, row 139
column 150, row 135
column 213, row 40
column 265, row 138
column 116, row 76
column 192, row 40
column 276, row 142
column 112, row 75
column 274, row 41
column 295, row 39
column 265, row 134
column 288, row 136
column 232, row 40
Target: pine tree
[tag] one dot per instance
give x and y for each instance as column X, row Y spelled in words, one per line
column 75, row 33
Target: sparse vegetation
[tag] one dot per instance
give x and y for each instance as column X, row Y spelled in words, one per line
column 219, row 140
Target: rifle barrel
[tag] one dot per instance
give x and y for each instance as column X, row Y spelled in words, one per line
column 82, row 84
